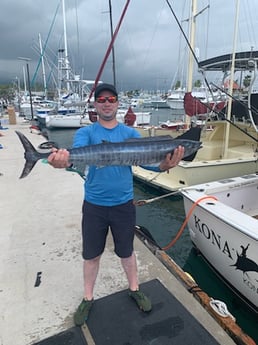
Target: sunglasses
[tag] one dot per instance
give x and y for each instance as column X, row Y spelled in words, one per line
column 103, row 99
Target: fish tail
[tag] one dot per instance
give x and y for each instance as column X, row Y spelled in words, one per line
column 31, row 155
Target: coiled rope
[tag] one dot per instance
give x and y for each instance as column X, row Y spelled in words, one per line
column 221, row 308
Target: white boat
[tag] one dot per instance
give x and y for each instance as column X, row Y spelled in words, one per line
column 230, row 149
column 173, row 125
column 75, row 120
column 223, row 225
column 140, row 102
column 43, row 114
column 210, row 163
column 158, row 102
column 141, row 117
column 175, row 99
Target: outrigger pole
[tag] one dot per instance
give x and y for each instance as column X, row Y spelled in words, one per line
column 108, row 50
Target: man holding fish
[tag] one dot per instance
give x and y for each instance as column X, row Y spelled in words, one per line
column 108, row 201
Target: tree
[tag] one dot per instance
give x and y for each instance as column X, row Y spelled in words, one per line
column 247, row 80
column 177, row 85
column 197, row 83
column 7, row 92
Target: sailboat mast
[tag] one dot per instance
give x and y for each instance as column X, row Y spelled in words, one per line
column 43, row 67
column 192, row 29
column 232, row 73
column 65, row 48
column 24, row 80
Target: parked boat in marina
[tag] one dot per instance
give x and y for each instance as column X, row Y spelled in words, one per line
column 175, row 99
column 223, row 225
column 173, row 125
column 159, row 102
column 75, row 120
column 141, row 117
column 229, row 150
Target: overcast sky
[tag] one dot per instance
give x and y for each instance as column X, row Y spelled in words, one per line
column 149, row 49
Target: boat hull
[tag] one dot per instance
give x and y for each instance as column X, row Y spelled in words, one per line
column 63, row 121
column 187, row 174
column 176, row 104
column 225, row 231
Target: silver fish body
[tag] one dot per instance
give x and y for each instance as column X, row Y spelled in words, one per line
column 142, row 151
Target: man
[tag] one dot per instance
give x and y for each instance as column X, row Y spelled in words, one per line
column 108, row 201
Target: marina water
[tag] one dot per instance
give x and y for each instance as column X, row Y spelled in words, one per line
column 163, row 219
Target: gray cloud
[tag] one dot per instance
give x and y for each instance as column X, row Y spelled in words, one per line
column 147, row 46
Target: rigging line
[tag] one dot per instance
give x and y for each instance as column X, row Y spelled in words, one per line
column 108, row 50
column 151, row 40
column 248, row 14
column 181, row 29
column 113, row 48
column 45, row 45
column 51, row 67
column 252, row 108
column 223, row 117
column 188, row 43
column 147, row 201
column 208, row 26
column 179, row 72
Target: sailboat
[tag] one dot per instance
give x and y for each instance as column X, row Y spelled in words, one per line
column 69, row 108
column 229, row 150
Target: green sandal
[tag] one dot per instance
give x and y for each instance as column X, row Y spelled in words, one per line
column 82, row 313
column 142, row 301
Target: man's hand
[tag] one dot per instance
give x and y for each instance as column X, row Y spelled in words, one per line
column 59, row 158
column 172, row 160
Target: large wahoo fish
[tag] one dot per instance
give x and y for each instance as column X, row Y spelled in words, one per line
column 142, row 151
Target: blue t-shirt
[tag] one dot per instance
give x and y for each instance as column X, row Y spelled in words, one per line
column 109, row 185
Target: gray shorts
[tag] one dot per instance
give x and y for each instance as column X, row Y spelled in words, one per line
column 97, row 220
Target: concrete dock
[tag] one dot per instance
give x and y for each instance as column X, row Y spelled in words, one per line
column 40, row 259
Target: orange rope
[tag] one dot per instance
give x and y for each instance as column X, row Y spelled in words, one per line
column 171, row 243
